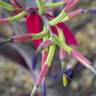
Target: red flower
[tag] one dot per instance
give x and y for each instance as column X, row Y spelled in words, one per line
column 34, row 25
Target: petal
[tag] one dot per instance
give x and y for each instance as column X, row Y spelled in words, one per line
column 54, row 29
column 34, row 25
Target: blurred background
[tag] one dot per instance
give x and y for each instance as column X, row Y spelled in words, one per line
column 16, row 80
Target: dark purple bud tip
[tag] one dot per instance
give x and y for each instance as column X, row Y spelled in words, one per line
column 92, row 11
column 89, row 11
column 69, row 73
column 5, row 42
column 35, row 60
column 43, row 89
column 56, row 76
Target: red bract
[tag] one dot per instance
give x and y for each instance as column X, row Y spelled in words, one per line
column 34, row 25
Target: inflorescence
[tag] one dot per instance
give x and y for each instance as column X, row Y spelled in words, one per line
column 47, row 32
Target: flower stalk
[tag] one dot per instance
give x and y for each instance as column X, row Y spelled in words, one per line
column 54, row 5
column 7, row 6
column 41, row 7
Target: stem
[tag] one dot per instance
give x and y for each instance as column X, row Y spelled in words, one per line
column 26, row 37
column 67, row 48
column 61, row 35
column 44, row 52
column 62, row 52
column 23, row 38
column 54, row 5
column 65, row 19
column 50, row 55
column 46, row 24
column 41, row 7
column 58, row 19
column 7, row 6
column 71, row 4
column 44, row 56
column 17, row 17
column 40, row 35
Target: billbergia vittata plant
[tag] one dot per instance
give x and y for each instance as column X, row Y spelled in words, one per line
column 47, row 33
